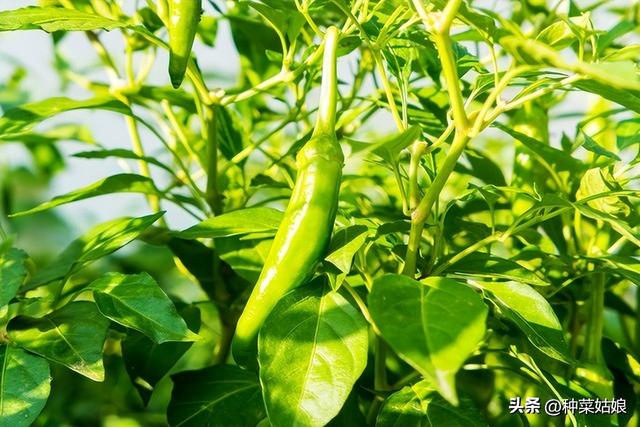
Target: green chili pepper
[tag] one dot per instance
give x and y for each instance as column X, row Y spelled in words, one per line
column 302, row 238
column 184, row 16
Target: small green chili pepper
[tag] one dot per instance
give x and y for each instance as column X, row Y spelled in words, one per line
column 184, row 16
column 302, row 238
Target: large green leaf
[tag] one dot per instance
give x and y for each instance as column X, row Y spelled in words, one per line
column 311, row 349
column 434, row 326
column 72, row 336
column 121, row 183
column 137, row 302
column 52, row 19
column 148, row 362
column 21, row 119
column 218, row 396
column 242, row 221
column 13, row 272
column 24, row 386
column 99, row 242
column 419, row 405
column 530, row 312
column 485, row 265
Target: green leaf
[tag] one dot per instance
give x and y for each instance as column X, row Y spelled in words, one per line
column 616, row 223
column 137, row 302
column 558, row 35
column 619, row 74
column 485, row 265
column 590, row 144
column 531, row 313
column 121, row 153
column 22, row 119
column 329, row 339
column 13, row 272
column 147, row 362
column 434, row 326
column 25, row 384
column 482, row 167
column 626, row 98
column 628, row 133
column 593, row 183
column 121, row 183
column 231, row 136
column 559, row 159
column 52, row 19
column 344, row 245
column 99, row 242
column 246, row 257
column 419, row 405
column 472, row 17
column 389, row 149
column 72, row 336
column 239, row 222
column 217, row 396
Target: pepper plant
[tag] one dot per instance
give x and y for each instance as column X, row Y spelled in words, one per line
column 480, row 159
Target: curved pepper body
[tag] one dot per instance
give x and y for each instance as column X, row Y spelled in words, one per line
column 303, row 236
column 184, row 16
column 301, row 240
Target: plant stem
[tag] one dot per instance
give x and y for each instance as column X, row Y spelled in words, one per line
column 461, row 123
column 450, row 71
column 422, row 212
column 211, row 136
column 388, row 90
column 593, row 339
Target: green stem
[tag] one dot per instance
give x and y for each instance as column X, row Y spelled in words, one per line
column 417, row 151
column 380, row 365
column 450, row 72
column 326, row 121
column 388, row 91
column 423, row 210
column 212, row 193
column 593, row 339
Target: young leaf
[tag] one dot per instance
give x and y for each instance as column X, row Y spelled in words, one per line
column 25, row 117
column 344, row 245
column 434, row 326
column 242, row 221
column 593, row 183
column 532, row 314
column 419, row 405
column 13, row 272
column 137, row 302
column 329, row 339
column 52, row 19
column 626, row 98
column 99, row 242
column 121, row 153
column 590, row 144
column 559, row 159
column 72, row 336
column 121, row 183
column 25, row 384
column 217, row 396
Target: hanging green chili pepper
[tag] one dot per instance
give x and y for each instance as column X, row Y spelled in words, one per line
column 184, row 16
column 303, row 235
